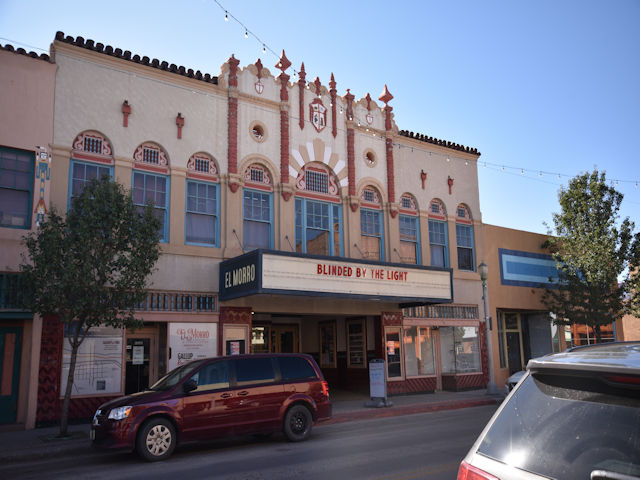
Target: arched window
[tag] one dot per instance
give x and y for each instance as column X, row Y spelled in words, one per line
column 91, row 157
column 438, row 236
column 257, row 208
column 150, row 180
column 464, row 239
column 371, row 230
column 202, row 221
column 409, row 230
column 318, row 211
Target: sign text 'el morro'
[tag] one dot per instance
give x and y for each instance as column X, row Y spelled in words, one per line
column 240, row 276
column 361, row 272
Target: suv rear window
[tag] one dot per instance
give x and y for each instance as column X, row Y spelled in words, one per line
column 566, row 427
column 296, row 368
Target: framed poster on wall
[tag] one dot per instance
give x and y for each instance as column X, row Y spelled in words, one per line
column 98, row 364
column 190, row 341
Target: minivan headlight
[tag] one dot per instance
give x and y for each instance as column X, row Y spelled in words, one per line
column 120, row 413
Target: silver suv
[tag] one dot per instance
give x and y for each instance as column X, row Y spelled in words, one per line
column 574, row 415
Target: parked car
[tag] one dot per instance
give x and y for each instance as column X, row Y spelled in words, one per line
column 574, row 415
column 513, row 380
column 217, row 397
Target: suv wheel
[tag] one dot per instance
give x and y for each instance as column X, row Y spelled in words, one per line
column 156, row 440
column 297, row 423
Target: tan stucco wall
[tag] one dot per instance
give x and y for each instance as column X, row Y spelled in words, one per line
column 628, row 328
column 506, row 297
column 26, row 103
column 84, row 103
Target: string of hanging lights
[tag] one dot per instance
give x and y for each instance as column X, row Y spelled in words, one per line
column 538, row 175
column 372, row 133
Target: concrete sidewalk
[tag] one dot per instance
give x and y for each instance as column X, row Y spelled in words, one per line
column 20, row 445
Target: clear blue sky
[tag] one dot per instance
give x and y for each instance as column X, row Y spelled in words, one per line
column 545, row 85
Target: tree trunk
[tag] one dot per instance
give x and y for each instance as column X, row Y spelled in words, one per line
column 596, row 329
column 64, row 415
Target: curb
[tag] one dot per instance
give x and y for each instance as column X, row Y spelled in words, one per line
column 406, row 410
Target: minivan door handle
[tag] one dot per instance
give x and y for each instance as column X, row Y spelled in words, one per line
column 243, row 393
column 226, row 395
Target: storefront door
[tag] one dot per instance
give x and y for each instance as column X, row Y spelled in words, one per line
column 284, row 339
column 141, row 361
column 512, row 339
column 10, row 343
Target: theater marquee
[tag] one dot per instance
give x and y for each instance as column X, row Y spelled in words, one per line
column 265, row 271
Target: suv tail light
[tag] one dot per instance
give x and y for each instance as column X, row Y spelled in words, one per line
column 325, row 389
column 469, row 472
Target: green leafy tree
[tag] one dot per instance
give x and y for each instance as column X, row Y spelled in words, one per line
column 597, row 256
column 91, row 268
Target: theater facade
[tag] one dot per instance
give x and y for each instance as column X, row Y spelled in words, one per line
column 294, row 219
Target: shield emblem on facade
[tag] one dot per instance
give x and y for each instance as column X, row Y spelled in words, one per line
column 369, row 118
column 318, row 114
column 259, row 87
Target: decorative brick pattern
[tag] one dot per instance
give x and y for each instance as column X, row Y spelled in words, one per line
column 392, row 319
column 49, row 401
column 386, row 97
column 412, row 385
column 49, row 370
column 302, row 82
column 456, row 383
column 391, row 189
column 232, row 316
column 351, row 156
column 232, row 119
column 332, row 91
column 232, row 137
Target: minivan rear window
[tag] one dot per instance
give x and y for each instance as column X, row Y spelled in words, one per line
column 296, row 368
column 563, row 427
column 250, row 371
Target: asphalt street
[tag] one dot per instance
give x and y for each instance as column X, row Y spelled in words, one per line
column 421, row 446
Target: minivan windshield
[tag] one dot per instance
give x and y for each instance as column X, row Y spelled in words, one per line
column 561, row 427
column 171, row 379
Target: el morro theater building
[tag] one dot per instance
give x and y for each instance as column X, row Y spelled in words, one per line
column 296, row 217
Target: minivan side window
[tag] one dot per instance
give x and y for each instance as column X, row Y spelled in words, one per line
column 212, row 377
column 251, row 371
column 296, row 368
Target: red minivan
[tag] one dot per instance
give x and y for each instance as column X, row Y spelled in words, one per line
column 217, row 397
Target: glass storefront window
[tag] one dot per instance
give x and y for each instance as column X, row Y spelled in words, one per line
column 418, row 352
column 460, row 349
column 259, row 339
column 328, row 345
column 356, row 344
column 392, row 351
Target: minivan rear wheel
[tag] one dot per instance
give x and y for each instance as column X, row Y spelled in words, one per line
column 156, row 440
column 297, row 423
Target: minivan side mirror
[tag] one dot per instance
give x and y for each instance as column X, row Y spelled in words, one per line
column 189, row 386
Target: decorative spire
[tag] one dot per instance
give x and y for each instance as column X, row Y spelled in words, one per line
column 317, row 83
column 233, row 71
column 349, row 97
column 283, row 63
column 385, row 96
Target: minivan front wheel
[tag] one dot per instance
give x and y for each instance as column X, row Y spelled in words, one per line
column 156, row 440
column 297, row 423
